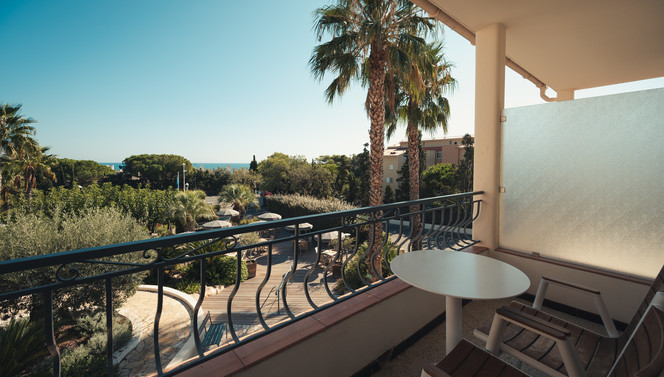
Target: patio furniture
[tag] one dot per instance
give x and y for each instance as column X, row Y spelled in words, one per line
column 458, row 275
column 643, row 355
column 593, row 353
column 468, row 360
column 213, row 333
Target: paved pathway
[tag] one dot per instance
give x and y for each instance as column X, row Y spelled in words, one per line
column 174, row 328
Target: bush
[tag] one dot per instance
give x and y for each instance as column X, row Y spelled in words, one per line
column 353, row 278
column 222, row 269
column 301, row 205
column 189, row 286
column 21, row 343
column 31, row 235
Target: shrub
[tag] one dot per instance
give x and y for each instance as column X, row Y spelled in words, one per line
column 222, row 269
column 301, row 205
column 21, row 343
column 31, row 235
column 189, row 286
column 353, row 277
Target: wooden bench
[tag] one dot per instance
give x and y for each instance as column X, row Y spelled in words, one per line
column 213, row 333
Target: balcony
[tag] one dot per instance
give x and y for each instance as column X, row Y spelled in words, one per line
column 309, row 293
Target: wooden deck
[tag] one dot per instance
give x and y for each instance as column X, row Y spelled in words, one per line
column 244, row 314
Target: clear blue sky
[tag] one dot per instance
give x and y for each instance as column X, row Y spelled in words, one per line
column 210, row 80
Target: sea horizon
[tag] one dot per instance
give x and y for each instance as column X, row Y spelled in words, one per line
column 198, row 165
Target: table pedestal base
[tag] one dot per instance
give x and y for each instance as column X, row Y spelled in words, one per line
column 452, row 323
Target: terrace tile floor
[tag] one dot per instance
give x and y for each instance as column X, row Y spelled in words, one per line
column 431, row 347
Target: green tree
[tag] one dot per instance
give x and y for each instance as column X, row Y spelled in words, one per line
column 467, row 164
column 240, row 197
column 14, row 127
column 275, row 171
column 69, row 172
column 30, row 158
column 440, row 179
column 160, row 171
column 369, row 39
column 253, row 165
column 211, row 181
column 360, row 166
column 250, row 178
column 388, row 196
column 188, row 207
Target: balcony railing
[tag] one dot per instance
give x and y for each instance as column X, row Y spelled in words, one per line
column 300, row 270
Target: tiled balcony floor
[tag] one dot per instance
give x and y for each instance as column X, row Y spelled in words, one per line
column 431, row 347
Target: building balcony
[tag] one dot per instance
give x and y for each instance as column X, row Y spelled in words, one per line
column 312, row 290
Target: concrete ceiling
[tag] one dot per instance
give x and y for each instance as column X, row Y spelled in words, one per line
column 572, row 44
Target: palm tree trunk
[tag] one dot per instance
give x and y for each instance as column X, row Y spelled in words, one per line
column 376, row 107
column 414, row 177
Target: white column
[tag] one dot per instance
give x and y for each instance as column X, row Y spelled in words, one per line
column 489, row 103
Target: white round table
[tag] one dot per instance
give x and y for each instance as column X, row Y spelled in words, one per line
column 458, row 275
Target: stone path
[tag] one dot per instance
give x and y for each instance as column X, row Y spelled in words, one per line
column 174, row 329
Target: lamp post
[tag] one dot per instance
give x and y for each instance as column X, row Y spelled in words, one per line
column 184, row 184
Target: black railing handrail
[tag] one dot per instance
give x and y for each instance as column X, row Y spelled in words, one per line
column 72, row 256
column 443, row 223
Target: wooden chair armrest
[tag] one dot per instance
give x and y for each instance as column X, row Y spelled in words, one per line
column 602, row 310
column 533, row 323
column 572, row 285
column 433, row 371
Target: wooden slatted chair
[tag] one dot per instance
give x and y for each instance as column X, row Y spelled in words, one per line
column 594, row 354
column 467, row 360
column 642, row 356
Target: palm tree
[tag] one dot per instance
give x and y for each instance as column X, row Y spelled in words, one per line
column 240, row 197
column 30, row 157
column 188, row 206
column 421, row 104
column 369, row 39
column 13, row 128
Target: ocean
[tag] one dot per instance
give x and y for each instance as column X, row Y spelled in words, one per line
column 198, row 165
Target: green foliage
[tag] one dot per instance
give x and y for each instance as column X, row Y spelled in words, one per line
column 70, row 173
column 249, row 178
column 388, row 196
column 440, row 179
column 146, row 206
column 160, row 171
column 89, row 359
column 190, row 206
column 28, row 235
column 222, row 269
column 210, row 180
column 358, row 191
column 253, row 165
column 188, row 286
column 466, row 165
column 351, row 273
column 300, row 205
column 240, row 197
column 274, row 170
column 21, row 344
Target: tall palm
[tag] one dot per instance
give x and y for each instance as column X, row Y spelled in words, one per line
column 420, row 102
column 13, row 127
column 31, row 158
column 369, row 39
column 239, row 196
